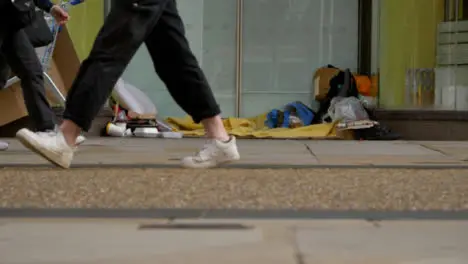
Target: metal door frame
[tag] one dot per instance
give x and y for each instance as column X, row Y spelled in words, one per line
column 239, row 53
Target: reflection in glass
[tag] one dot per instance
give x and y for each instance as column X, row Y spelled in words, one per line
column 284, row 42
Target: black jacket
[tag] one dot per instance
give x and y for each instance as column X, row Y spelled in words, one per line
column 12, row 19
column 45, row 5
column 21, row 12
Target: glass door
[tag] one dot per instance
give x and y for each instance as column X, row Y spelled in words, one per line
column 284, row 42
column 211, row 30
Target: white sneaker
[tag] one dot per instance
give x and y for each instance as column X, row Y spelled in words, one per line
column 51, row 146
column 79, row 140
column 3, row 145
column 213, row 154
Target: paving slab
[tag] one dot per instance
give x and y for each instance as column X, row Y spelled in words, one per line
column 88, row 242
column 368, row 148
column 283, row 242
column 291, row 152
column 389, row 160
column 457, row 149
column 127, row 151
column 166, row 152
column 378, row 153
column 388, row 242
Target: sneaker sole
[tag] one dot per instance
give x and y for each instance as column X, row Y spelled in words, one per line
column 219, row 164
column 46, row 155
column 79, row 142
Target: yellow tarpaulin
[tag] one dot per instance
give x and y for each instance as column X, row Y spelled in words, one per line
column 254, row 127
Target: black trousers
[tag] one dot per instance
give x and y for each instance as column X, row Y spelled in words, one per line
column 17, row 52
column 130, row 24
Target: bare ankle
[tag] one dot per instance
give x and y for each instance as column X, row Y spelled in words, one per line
column 214, row 128
column 70, row 132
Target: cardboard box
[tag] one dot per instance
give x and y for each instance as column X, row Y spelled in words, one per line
column 55, row 75
column 345, row 130
column 322, row 81
column 12, row 105
column 64, row 67
column 66, row 59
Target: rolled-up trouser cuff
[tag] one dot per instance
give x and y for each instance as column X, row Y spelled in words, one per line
column 206, row 114
column 83, row 123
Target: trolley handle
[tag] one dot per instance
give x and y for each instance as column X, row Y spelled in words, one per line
column 55, row 29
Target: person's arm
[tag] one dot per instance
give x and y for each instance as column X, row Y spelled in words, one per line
column 61, row 16
column 45, row 5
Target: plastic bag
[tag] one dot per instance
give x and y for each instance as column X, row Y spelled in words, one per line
column 132, row 98
column 347, row 109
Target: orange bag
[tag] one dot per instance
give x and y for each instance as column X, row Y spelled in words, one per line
column 364, row 84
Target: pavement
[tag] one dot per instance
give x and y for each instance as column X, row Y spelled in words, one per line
column 131, row 152
column 146, row 241
column 286, row 201
column 122, row 173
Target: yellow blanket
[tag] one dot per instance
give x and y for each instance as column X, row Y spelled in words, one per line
column 254, row 128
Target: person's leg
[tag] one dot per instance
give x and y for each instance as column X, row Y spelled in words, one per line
column 179, row 70
column 123, row 32
column 19, row 54
column 22, row 58
column 120, row 37
column 4, row 71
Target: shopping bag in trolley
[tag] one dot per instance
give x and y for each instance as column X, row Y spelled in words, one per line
column 45, row 53
column 38, row 31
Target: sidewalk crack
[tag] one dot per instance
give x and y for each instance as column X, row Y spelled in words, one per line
column 435, row 150
column 310, row 150
column 298, row 256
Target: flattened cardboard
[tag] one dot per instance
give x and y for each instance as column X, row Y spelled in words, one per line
column 322, row 81
column 54, row 73
column 353, row 125
column 134, row 115
column 66, row 59
column 12, row 105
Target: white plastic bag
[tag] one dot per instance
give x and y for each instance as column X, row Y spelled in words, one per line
column 347, row 109
column 133, row 99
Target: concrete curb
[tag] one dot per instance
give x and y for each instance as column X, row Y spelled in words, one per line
column 271, row 214
column 250, row 166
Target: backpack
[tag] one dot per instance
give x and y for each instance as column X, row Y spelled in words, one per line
column 343, row 84
column 293, row 114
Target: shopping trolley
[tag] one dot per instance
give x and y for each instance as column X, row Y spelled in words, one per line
column 45, row 53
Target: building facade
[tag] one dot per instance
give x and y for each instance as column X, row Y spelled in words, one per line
column 261, row 54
